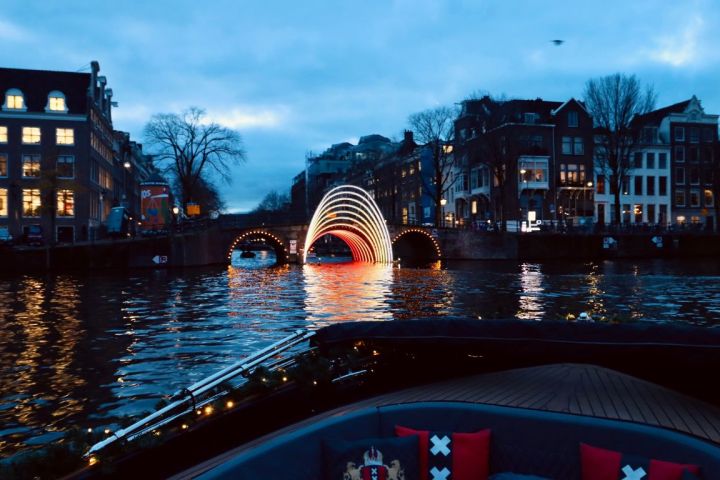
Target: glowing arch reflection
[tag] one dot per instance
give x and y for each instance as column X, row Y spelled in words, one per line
column 349, row 213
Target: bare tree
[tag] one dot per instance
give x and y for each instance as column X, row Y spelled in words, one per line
column 273, row 202
column 193, row 148
column 614, row 101
column 435, row 128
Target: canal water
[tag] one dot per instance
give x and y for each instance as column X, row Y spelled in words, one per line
column 84, row 350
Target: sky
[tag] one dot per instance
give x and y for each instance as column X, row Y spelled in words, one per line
column 294, row 77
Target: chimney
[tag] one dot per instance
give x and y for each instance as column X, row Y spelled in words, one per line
column 94, row 69
column 101, row 96
column 109, row 94
column 408, row 137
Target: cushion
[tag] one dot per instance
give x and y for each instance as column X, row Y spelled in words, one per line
column 515, row 476
column 371, row 459
column 600, row 464
column 460, row 456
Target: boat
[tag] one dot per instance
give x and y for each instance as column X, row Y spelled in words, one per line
column 542, row 388
column 247, row 254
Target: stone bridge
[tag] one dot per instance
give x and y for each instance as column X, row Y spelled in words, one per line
column 215, row 246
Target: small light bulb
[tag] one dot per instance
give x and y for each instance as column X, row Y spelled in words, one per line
column 184, row 426
column 89, row 430
column 230, row 404
column 92, row 461
column 208, row 410
column 107, row 431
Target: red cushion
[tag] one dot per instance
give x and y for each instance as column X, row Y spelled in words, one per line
column 470, row 452
column 601, row 464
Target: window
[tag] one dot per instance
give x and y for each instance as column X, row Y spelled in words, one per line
column 601, row 185
column 651, row 213
column 663, row 214
column 708, row 176
column 3, row 165
column 626, row 213
column 649, row 135
column 3, row 202
column 638, row 212
column 693, row 154
column 679, row 134
column 650, row 160
column 708, row 198
column 638, row 185
column 662, row 185
column 65, row 136
column 679, row 198
column 694, row 135
column 65, row 203
column 662, row 160
column 530, row 117
column 65, row 166
column 567, row 145
column 14, row 100
column 679, row 175
column 3, row 135
column 707, row 155
column 31, row 166
column 56, row 102
column 679, row 154
column 650, row 186
column 31, row 202
column 578, row 146
column 694, row 197
column 694, row 176
column 30, row 135
column 637, row 160
column 707, row 135
column 572, row 119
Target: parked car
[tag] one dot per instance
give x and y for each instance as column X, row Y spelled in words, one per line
column 5, row 237
column 34, row 236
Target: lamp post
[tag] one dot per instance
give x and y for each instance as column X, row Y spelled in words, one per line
column 589, row 190
column 524, row 187
column 443, row 202
column 126, row 169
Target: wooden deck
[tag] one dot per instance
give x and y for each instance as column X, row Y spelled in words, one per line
column 565, row 388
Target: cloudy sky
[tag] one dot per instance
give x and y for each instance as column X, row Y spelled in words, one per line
column 298, row 76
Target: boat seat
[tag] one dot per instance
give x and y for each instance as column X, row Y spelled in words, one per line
column 523, row 441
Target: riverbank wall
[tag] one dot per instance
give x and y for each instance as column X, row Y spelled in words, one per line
column 206, row 248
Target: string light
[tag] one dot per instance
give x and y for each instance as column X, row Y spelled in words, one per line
column 184, row 426
column 208, row 410
column 423, row 232
column 278, row 242
column 92, row 460
column 230, row 404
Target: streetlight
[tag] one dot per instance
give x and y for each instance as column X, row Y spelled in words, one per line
column 443, row 202
column 589, row 189
column 524, row 187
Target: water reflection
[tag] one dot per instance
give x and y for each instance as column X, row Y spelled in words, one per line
column 81, row 350
column 346, row 292
column 531, row 292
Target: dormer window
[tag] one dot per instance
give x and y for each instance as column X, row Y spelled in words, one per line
column 56, row 102
column 14, row 100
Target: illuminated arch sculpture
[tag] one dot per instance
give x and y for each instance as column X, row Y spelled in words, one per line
column 350, row 213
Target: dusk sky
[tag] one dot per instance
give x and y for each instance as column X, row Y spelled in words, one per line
column 298, row 76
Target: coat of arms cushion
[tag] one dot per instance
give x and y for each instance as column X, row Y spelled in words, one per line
column 372, row 459
column 456, row 456
column 601, row 464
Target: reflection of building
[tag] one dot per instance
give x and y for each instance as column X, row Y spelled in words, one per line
column 56, row 152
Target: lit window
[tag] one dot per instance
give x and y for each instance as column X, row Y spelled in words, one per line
column 31, row 202
column 3, row 135
column 31, row 166
column 3, row 202
column 14, row 100
column 31, row 135
column 708, row 198
column 65, row 166
column 65, row 136
column 65, row 203
column 56, row 102
column 3, row 164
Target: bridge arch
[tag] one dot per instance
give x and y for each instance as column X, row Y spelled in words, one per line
column 416, row 244
column 273, row 240
column 350, row 214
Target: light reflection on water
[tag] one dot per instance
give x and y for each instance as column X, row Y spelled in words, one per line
column 81, row 350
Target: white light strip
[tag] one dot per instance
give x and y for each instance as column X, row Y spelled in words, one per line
column 349, row 213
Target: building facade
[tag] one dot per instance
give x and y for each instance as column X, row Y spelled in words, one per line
column 58, row 164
